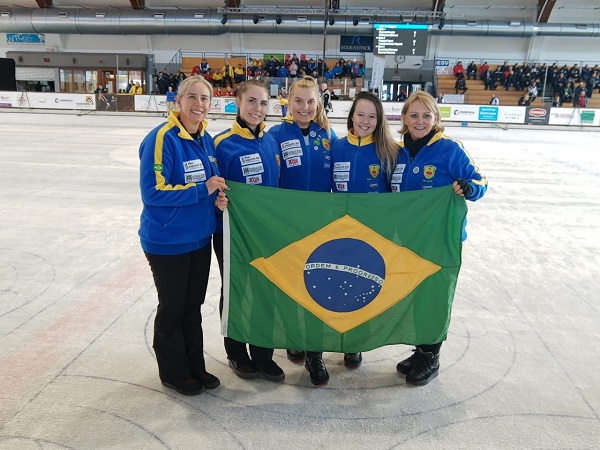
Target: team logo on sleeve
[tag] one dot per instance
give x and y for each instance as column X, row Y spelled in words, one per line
column 429, row 172
column 158, row 167
column 374, row 170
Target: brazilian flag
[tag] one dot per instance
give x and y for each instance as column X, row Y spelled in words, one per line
column 340, row 272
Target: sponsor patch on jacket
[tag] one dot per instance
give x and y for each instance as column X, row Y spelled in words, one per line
column 253, row 169
column 395, row 187
column 254, row 158
column 341, row 167
column 342, row 187
column 254, row 179
column 292, row 162
column 195, row 177
column 429, row 172
column 399, row 168
column 341, row 176
column 193, row 165
column 287, row 145
column 291, row 153
column 326, row 144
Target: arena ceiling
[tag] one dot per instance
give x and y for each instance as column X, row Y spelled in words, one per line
column 543, row 11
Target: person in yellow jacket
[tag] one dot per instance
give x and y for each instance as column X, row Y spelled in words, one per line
column 137, row 89
column 228, row 73
column 239, row 74
column 217, row 78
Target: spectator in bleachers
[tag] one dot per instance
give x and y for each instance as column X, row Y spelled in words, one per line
column 574, row 72
column 532, row 90
column 295, row 59
column 347, row 68
column 472, row 71
column 239, row 74
column 293, row 69
column 217, row 92
column 498, row 77
column 458, row 69
column 567, row 93
column 204, row 67
column 589, row 86
column 461, row 84
column 586, row 73
column 227, row 71
column 440, row 97
column 579, row 88
column 196, row 70
column 272, row 66
column 525, row 80
column 361, row 70
column 524, row 100
column 489, row 80
column 564, row 70
column 495, row 100
column 581, row 100
column 312, row 66
column 283, row 72
column 217, row 78
column 557, row 101
column 132, row 84
column 483, row 71
column 337, row 71
column 559, row 83
column 512, row 80
column 228, row 92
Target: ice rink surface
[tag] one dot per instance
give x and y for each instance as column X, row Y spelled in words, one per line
column 520, row 368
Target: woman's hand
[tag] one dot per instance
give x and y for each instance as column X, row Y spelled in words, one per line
column 222, row 201
column 462, row 187
column 214, row 183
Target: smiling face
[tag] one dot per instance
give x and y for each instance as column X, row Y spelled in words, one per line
column 364, row 119
column 253, row 105
column 419, row 120
column 303, row 106
column 194, row 105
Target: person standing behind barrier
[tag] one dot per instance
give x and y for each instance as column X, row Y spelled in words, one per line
column 304, row 139
column 180, row 183
column 247, row 155
column 171, row 97
column 429, row 159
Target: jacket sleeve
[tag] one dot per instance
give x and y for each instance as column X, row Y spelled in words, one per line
column 462, row 166
column 158, row 183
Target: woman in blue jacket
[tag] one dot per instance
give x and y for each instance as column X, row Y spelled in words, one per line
column 247, row 155
column 179, row 183
column 304, row 142
column 429, row 159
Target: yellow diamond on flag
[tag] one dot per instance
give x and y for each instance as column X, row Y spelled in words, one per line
column 345, row 273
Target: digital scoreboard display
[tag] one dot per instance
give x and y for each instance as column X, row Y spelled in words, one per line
column 400, row 39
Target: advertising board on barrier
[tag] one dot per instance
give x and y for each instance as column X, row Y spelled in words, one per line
column 53, row 100
column 512, row 114
column 537, row 116
column 9, row 99
column 150, row 103
column 463, row 113
column 574, row 116
column 488, row 114
column 445, row 66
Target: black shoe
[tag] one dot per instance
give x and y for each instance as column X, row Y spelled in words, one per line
column 190, row 386
column 243, row 369
column 208, row 380
column 405, row 366
column 270, row 370
column 295, row 356
column 425, row 369
column 317, row 370
column 352, row 360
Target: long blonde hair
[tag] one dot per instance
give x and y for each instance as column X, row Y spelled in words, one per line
column 385, row 146
column 310, row 83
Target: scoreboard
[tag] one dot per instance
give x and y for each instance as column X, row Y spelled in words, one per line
column 400, row 39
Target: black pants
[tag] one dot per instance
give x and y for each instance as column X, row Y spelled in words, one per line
column 237, row 350
column 181, row 282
